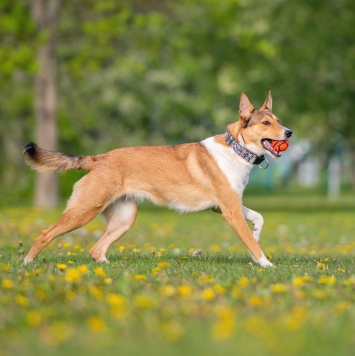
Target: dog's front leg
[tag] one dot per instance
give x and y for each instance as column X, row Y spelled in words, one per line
column 233, row 213
column 256, row 219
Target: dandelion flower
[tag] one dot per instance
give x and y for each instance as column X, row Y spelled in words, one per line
column 96, row 324
column 61, row 266
column 145, row 302
column 72, row 275
column 184, row 291
column 278, row 288
column 163, row 265
column 99, row 271
column 7, row 284
column 321, row 266
column 208, row 294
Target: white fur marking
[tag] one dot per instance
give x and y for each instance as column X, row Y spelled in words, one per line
column 256, row 219
column 263, row 261
column 235, row 168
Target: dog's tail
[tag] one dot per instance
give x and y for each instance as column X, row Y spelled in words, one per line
column 48, row 161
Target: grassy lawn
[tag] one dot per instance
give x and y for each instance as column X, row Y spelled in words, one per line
column 156, row 297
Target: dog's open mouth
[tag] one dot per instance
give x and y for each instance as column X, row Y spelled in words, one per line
column 267, row 144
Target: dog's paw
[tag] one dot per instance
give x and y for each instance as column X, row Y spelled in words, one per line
column 27, row 260
column 263, row 262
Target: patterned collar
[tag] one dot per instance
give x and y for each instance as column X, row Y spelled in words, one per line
column 241, row 151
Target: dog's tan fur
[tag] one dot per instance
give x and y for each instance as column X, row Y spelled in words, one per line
column 184, row 177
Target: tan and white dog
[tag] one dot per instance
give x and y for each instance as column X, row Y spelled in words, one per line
column 210, row 174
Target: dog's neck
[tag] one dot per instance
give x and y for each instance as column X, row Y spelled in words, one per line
column 241, row 151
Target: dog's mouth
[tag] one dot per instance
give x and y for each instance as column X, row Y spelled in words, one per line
column 267, row 144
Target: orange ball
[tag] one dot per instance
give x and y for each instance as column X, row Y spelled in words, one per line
column 280, row 146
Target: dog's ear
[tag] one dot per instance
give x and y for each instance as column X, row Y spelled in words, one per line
column 245, row 108
column 268, row 102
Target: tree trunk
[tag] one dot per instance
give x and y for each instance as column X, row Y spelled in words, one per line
column 45, row 14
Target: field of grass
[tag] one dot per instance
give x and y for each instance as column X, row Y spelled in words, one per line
column 158, row 296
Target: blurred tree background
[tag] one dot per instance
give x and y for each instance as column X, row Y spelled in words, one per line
column 132, row 72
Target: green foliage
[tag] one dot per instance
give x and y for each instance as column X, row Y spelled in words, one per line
column 137, row 72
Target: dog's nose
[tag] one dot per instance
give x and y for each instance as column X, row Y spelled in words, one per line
column 288, row 133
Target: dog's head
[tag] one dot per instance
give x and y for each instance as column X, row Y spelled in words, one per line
column 256, row 129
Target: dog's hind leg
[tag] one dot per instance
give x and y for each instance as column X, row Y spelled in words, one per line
column 120, row 216
column 256, row 219
column 87, row 201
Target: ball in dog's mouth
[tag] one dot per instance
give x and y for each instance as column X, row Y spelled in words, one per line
column 275, row 146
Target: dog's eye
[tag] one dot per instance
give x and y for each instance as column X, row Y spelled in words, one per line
column 266, row 122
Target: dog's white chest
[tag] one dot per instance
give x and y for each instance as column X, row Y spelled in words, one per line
column 235, row 168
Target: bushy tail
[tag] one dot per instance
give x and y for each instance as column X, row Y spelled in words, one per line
column 48, row 161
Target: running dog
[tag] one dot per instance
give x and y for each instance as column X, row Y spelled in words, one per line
column 210, row 174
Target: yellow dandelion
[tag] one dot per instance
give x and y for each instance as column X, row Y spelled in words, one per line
column 256, row 301
column 96, row 324
column 243, row 282
column 341, row 270
column 108, row 280
column 145, row 302
column 71, row 262
column 72, row 275
column 219, row 289
column 116, row 300
column 156, row 271
column 121, row 249
column 278, row 288
column 38, row 271
column 99, row 271
column 7, row 284
column 326, row 280
column 206, row 279
column 139, row 277
column 321, row 266
column 184, row 291
column 350, row 281
column 208, row 294
column 83, row 269
column 66, row 244
column 167, row 290
column 21, row 300
column 298, row 282
column 96, row 292
column 61, row 266
column 163, row 265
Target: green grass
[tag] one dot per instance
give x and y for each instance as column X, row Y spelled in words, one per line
column 155, row 297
